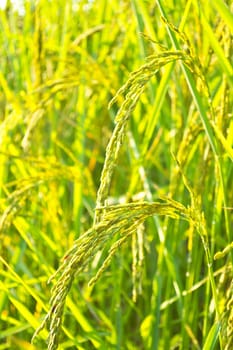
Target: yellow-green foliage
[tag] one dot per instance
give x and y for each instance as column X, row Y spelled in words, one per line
column 116, row 137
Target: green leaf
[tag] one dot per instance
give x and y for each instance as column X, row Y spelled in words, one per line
column 212, row 337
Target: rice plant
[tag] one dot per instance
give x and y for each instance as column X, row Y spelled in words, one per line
column 116, row 175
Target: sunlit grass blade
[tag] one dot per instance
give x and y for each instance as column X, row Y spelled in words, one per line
column 224, row 62
column 225, row 12
column 212, row 337
column 192, row 86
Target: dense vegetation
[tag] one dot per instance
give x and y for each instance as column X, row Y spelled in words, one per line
column 130, row 202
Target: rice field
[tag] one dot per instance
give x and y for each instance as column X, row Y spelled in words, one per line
column 116, row 175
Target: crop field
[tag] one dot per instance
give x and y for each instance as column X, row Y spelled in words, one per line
column 116, row 175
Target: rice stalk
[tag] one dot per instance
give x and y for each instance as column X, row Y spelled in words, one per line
column 119, row 221
column 122, row 220
column 131, row 91
column 57, row 72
